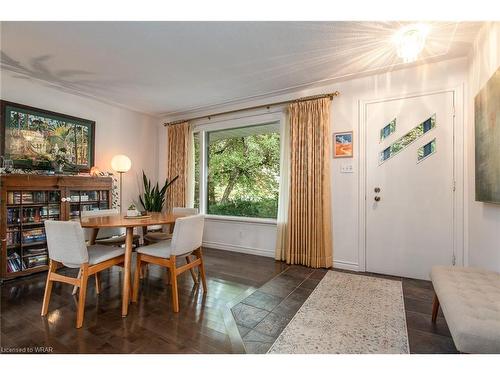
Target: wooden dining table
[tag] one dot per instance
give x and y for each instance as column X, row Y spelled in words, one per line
column 119, row 221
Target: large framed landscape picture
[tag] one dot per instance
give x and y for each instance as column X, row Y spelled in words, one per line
column 487, row 130
column 30, row 136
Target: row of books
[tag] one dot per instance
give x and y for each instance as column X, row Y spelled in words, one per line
column 30, row 215
column 34, row 235
column 16, row 197
column 16, row 264
column 13, row 238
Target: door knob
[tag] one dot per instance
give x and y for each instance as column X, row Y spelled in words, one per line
column 377, row 198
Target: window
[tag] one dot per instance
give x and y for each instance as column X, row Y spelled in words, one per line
column 387, row 130
column 426, row 150
column 408, row 138
column 242, row 171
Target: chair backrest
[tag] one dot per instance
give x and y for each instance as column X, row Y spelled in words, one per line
column 103, row 232
column 184, row 211
column 66, row 243
column 188, row 234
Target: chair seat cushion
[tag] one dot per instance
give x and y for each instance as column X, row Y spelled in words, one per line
column 158, row 236
column 470, row 300
column 115, row 241
column 102, row 253
column 160, row 249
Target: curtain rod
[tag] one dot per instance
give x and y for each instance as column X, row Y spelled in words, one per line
column 330, row 95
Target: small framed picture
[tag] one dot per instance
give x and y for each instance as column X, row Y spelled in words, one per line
column 342, row 145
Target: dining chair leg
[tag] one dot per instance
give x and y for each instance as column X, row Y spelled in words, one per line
column 75, row 288
column 191, row 270
column 48, row 288
column 143, row 271
column 199, row 254
column 173, row 281
column 97, row 283
column 137, row 271
column 83, row 292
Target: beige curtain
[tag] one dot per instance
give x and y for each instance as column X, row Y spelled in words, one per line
column 177, row 164
column 284, row 195
column 309, row 229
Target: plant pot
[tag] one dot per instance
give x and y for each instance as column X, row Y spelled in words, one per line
column 133, row 213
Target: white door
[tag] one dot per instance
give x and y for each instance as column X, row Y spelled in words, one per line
column 409, row 221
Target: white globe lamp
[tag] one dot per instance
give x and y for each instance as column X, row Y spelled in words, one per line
column 121, row 164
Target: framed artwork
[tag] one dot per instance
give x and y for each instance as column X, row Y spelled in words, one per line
column 487, row 137
column 32, row 137
column 342, row 145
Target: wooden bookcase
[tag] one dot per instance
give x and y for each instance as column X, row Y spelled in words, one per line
column 28, row 200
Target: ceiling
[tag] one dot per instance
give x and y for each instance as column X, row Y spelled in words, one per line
column 169, row 68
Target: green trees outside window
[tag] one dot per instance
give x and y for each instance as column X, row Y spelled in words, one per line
column 243, row 171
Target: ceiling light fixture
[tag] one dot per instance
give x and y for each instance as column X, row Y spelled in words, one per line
column 410, row 41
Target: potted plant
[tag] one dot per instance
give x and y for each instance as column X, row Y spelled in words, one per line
column 153, row 198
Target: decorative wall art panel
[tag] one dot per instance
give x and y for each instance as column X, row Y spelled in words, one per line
column 487, row 129
column 30, row 137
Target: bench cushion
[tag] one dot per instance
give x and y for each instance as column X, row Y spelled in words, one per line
column 470, row 300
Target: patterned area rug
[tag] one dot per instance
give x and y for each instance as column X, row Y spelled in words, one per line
column 348, row 313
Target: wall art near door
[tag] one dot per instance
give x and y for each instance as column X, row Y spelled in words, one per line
column 38, row 139
column 342, row 145
column 487, row 128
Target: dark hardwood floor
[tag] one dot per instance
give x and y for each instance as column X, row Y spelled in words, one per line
column 151, row 326
column 205, row 323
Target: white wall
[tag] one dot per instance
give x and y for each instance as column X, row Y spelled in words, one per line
column 260, row 239
column 118, row 130
column 483, row 218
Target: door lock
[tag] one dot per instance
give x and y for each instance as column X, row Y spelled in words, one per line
column 377, row 190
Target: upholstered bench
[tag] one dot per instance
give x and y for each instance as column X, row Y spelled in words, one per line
column 470, row 301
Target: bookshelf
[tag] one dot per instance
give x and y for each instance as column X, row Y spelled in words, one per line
column 27, row 201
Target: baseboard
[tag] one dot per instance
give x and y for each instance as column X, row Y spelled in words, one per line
column 239, row 249
column 350, row 266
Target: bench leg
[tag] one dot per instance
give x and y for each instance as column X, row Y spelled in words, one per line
column 435, row 308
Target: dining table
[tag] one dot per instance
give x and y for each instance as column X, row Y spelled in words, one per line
column 129, row 223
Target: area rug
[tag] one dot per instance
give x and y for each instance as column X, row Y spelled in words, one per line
column 348, row 313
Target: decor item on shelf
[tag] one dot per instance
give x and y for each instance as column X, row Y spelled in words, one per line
column 59, row 157
column 487, row 145
column 7, row 165
column 29, row 134
column 342, row 145
column 94, row 171
column 153, row 198
column 132, row 211
column 121, row 164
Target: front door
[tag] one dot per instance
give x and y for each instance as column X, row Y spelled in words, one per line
column 409, row 185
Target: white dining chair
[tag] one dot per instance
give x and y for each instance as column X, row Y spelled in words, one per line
column 66, row 246
column 152, row 237
column 186, row 240
column 105, row 236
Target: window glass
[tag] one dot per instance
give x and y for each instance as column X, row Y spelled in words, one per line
column 243, row 171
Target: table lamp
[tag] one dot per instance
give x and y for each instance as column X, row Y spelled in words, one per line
column 121, row 164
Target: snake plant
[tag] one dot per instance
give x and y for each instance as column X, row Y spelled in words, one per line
column 153, row 197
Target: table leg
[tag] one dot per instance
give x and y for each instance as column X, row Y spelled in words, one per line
column 126, row 271
column 93, row 237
